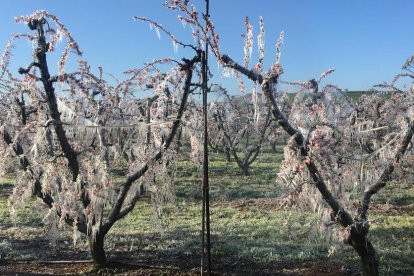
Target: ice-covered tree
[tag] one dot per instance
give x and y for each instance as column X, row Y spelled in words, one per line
column 240, row 127
column 66, row 132
column 334, row 145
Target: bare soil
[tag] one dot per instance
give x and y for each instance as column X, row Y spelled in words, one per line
column 127, row 268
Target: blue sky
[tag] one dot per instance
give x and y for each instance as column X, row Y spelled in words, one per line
column 365, row 41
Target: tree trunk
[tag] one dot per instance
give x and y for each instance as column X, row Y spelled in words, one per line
column 227, row 154
column 274, row 150
column 245, row 170
column 366, row 251
column 96, row 246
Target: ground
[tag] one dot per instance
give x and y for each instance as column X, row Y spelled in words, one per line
column 250, row 235
column 122, row 268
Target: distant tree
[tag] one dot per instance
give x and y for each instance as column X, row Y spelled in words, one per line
column 65, row 141
column 239, row 127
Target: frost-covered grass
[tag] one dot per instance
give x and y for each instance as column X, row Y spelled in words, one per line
column 244, row 223
column 6, row 185
column 246, row 228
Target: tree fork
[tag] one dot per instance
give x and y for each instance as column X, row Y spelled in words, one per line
column 120, row 209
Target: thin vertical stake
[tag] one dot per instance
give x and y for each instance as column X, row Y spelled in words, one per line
column 206, row 242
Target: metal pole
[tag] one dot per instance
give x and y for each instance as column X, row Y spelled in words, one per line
column 206, row 242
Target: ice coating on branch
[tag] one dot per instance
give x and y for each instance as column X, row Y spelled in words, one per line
column 61, row 32
column 260, row 44
column 279, row 43
column 248, row 42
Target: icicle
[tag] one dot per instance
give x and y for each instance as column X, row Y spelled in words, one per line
column 59, row 35
column 226, row 72
column 157, row 31
column 255, row 100
column 175, row 46
column 183, row 21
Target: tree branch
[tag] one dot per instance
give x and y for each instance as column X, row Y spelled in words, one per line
column 343, row 217
column 67, row 149
column 37, row 187
column 386, row 174
column 116, row 211
column 26, row 70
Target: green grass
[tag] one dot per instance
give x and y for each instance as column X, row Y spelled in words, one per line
column 245, row 226
column 4, row 211
column 394, row 237
column 6, row 185
column 243, row 229
column 353, row 95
